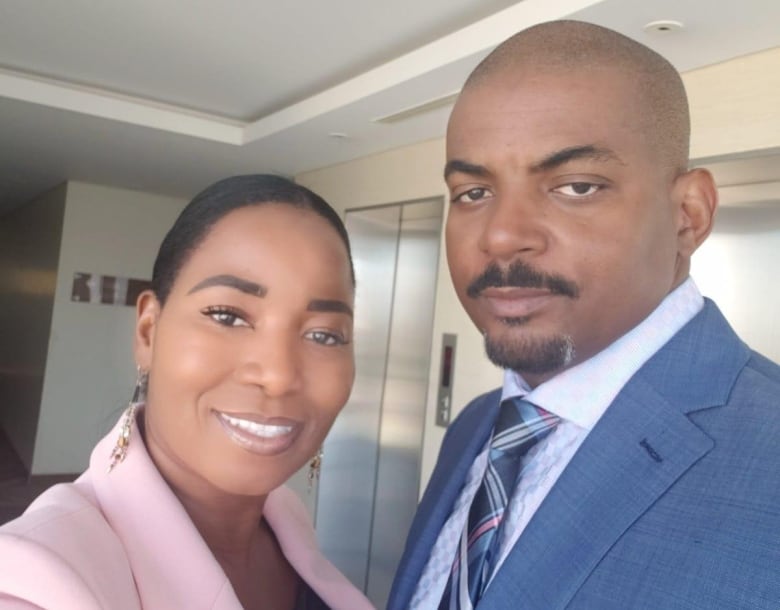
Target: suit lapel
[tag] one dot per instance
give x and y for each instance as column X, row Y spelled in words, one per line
column 640, row 447
column 462, row 443
column 627, row 462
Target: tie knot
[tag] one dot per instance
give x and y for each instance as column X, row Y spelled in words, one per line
column 519, row 422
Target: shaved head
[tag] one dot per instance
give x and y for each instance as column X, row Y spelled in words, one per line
column 660, row 102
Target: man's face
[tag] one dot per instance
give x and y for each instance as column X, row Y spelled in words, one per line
column 562, row 233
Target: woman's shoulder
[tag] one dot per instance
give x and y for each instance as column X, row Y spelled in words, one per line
column 63, row 553
column 292, row 526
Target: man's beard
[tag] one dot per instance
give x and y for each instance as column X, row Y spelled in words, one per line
column 530, row 355
column 526, row 354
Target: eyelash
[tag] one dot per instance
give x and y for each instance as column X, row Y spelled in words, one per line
column 326, row 338
column 218, row 313
column 595, row 185
column 479, row 191
column 215, row 312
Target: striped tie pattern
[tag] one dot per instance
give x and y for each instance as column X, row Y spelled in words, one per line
column 520, row 425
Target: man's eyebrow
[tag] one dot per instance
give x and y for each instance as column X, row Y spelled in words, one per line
column 464, row 167
column 328, row 305
column 231, row 281
column 573, row 153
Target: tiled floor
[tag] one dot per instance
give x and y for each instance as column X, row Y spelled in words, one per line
column 17, row 490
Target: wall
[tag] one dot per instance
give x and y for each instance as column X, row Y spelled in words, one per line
column 736, row 268
column 735, row 108
column 90, row 368
column 29, row 254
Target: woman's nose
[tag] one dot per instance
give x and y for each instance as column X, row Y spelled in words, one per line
column 271, row 362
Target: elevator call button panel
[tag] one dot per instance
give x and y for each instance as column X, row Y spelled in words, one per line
column 446, row 372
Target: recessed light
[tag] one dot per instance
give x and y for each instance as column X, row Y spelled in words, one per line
column 338, row 135
column 664, row 26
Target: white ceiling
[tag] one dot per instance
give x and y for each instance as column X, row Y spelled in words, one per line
column 145, row 95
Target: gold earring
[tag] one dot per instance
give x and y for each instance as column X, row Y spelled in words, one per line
column 314, row 468
column 119, row 451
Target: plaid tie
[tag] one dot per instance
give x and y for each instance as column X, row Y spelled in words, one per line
column 520, row 425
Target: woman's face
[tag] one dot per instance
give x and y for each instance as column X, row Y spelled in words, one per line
column 251, row 357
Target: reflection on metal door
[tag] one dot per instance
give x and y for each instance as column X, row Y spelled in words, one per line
column 370, row 475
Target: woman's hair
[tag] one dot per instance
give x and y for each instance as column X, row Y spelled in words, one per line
column 221, row 198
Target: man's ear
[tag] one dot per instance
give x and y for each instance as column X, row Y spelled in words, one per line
column 697, row 199
column 147, row 310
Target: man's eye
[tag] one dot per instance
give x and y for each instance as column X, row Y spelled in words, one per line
column 471, row 195
column 225, row 316
column 326, row 338
column 578, row 189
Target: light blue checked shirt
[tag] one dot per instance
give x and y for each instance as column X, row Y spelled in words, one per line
column 579, row 396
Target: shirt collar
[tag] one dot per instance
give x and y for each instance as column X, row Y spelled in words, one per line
column 582, row 393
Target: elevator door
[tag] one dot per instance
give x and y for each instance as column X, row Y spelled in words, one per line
column 370, row 478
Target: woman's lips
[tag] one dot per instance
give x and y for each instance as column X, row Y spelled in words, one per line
column 264, row 436
column 515, row 302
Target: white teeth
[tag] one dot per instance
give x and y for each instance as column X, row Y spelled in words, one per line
column 261, row 430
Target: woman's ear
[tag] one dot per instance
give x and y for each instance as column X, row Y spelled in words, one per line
column 697, row 200
column 147, row 310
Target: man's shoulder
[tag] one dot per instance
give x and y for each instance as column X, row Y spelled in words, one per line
column 767, row 371
column 756, row 392
column 479, row 403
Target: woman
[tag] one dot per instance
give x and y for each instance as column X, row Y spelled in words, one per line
column 244, row 351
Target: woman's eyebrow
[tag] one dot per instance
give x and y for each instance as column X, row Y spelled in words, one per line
column 231, row 281
column 329, row 305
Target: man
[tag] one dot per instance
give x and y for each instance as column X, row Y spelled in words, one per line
column 644, row 435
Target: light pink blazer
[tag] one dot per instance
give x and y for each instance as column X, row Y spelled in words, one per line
column 123, row 541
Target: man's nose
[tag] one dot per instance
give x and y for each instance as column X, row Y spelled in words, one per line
column 514, row 224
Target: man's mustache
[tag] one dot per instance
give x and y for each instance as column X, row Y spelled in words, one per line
column 521, row 275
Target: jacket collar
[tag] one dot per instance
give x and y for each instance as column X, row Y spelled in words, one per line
column 641, row 446
column 172, row 565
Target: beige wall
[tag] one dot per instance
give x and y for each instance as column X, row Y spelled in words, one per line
column 29, row 254
column 735, row 108
column 90, row 368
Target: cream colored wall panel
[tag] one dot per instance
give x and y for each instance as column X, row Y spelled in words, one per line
column 90, row 367
column 402, row 174
column 735, row 106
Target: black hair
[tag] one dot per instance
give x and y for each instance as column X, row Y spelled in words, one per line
column 217, row 200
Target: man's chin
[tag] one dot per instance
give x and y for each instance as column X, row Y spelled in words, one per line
column 532, row 355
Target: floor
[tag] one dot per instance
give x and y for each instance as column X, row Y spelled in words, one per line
column 17, row 489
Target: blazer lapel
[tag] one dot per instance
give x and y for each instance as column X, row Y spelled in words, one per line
column 462, row 443
column 627, row 462
column 640, row 447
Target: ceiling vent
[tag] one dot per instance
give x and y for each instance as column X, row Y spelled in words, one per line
column 412, row 111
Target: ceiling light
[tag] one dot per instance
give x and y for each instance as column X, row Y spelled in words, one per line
column 664, row 26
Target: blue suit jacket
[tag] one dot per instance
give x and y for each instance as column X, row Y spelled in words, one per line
column 672, row 501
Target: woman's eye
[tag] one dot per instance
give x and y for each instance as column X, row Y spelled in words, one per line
column 326, row 338
column 578, row 189
column 475, row 194
column 225, row 317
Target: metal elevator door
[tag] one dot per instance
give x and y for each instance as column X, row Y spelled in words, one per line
column 370, row 477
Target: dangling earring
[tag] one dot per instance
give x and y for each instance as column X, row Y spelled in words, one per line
column 314, row 468
column 139, row 397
